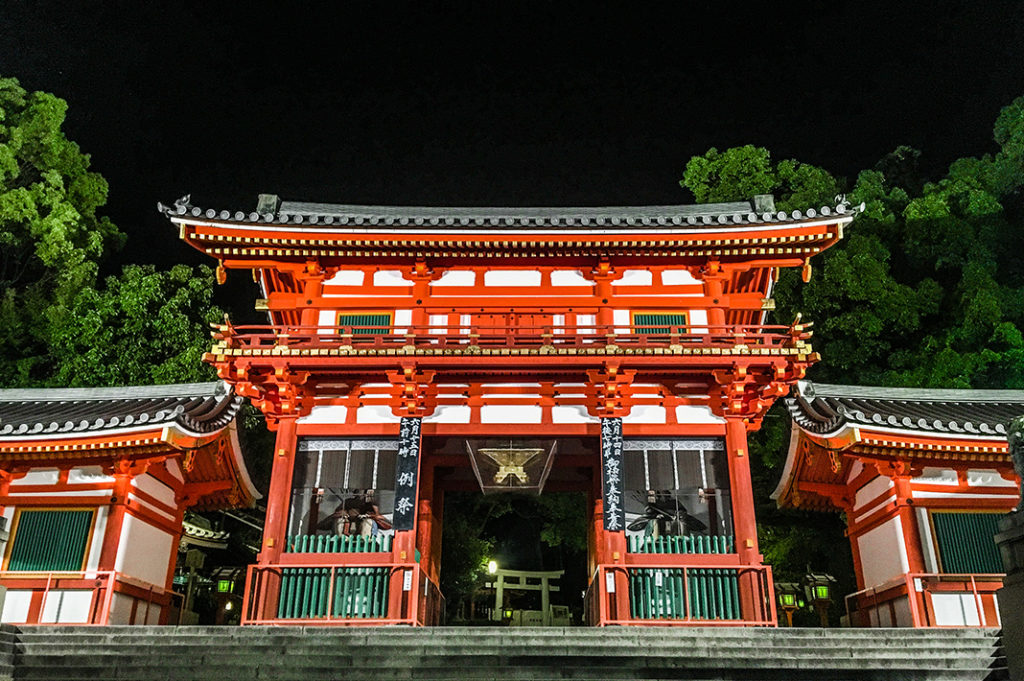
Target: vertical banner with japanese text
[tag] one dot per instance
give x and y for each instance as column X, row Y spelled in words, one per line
column 407, row 469
column 611, row 474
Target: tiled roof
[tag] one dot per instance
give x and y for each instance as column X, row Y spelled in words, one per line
column 196, row 407
column 760, row 210
column 822, row 408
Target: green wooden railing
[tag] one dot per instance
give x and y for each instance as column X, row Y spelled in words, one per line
column 658, row 323
column 357, row 593
column 692, row 544
column 323, row 543
column 660, row 593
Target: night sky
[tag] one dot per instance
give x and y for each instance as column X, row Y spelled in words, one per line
column 501, row 103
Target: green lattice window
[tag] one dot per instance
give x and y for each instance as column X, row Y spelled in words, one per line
column 371, row 323
column 50, row 541
column 658, row 323
column 965, row 542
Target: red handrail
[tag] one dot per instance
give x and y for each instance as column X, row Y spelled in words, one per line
column 909, row 585
column 590, row 336
column 761, row 597
column 414, row 599
column 102, row 584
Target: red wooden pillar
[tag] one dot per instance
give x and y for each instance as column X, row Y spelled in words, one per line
column 744, row 519
column 279, row 495
column 714, row 278
column 911, row 532
column 115, row 516
column 425, row 520
column 267, row 588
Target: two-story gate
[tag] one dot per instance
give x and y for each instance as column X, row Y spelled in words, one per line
column 622, row 351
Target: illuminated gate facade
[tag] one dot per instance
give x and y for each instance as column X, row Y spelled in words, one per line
column 410, row 351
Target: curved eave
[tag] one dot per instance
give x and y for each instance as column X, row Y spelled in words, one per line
column 325, row 216
column 238, row 489
column 840, row 439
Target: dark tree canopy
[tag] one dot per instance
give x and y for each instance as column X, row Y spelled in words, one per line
column 926, row 290
column 58, row 325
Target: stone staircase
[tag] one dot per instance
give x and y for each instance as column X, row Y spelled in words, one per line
column 384, row 654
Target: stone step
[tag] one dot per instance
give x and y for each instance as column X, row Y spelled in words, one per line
column 703, row 649
column 91, row 638
column 625, row 632
column 227, row 672
column 500, row 654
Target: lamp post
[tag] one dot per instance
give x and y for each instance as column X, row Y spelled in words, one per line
column 818, row 590
column 790, row 599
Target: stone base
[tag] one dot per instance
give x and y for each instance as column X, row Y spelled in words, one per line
column 1011, row 597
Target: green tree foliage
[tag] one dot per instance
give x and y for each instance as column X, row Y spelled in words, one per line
column 51, row 237
column 143, row 327
column 57, row 326
column 926, row 290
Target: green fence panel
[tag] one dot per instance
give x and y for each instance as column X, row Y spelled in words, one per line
column 380, row 322
column 966, row 543
column 657, row 323
column 659, row 593
column 359, row 593
column 308, row 543
column 674, row 544
column 50, row 541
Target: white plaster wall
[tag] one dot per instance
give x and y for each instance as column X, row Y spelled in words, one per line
column 510, row 413
column 99, row 527
column 375, row 413
column 334, row 413
column 635, row 278
column 143, row 551
column 693, row 413
column 621, row 320
column 987, row 477
column 931, row 561
column 38, row 476
column 88, row 475
column 121, row 609
column 174, row 468
column 156, row 489
column 325, row 318
column 450, row 413
column 347, row 278
column 456, row 278
column 66, row 607
column 568, row 278
column 512, row 278
column 403, row 318
column 698, row 321
column 573, row 413
column 936, row 476
column 872, row 490
column 16, row 605
column 672, row 277
column 585, row 323
column 438, row 323
column 390, row 278
column 645, row 413
column 904, row 618
column 953, row 610
column 882, row 553
column 854, row 470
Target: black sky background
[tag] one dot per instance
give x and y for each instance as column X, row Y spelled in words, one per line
column 497, row 103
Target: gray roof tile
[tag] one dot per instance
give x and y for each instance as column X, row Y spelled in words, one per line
column 757, row 211
column 824, row 408
column 198, row 407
